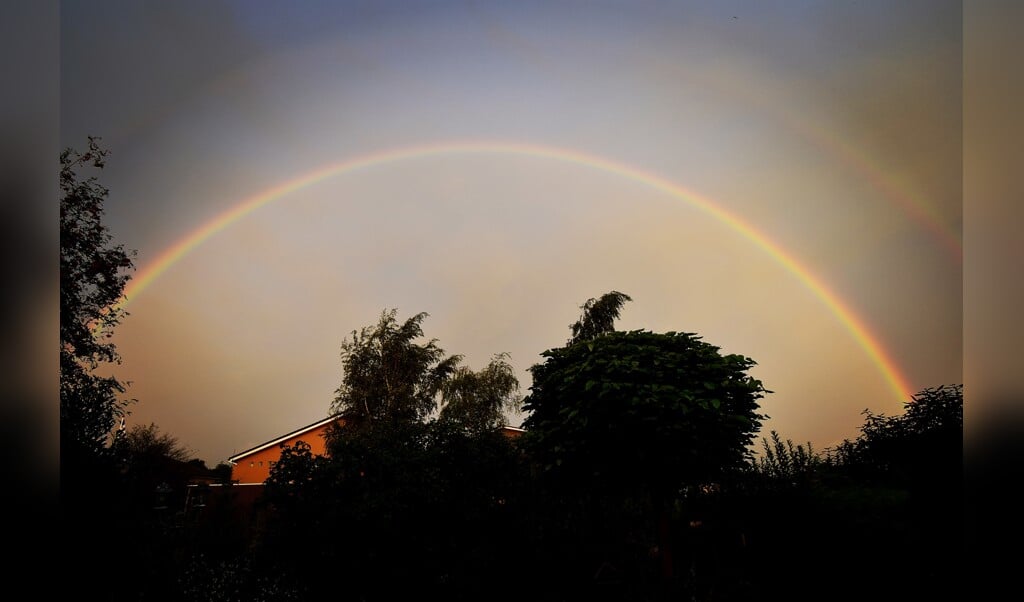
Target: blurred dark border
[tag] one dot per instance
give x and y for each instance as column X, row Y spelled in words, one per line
column 993, row 200
column 29, row 245
column 993, row 265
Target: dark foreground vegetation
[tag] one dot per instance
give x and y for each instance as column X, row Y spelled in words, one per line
column 621, row 496
column 430, row 510
column 641, row 475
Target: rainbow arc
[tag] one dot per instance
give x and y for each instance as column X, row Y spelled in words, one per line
column 856, row 326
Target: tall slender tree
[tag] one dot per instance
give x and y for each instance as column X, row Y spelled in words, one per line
column 598, row 316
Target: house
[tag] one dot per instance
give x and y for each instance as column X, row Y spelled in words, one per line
column 253, row 465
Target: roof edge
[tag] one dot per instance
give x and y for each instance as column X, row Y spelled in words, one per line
column 234, row 459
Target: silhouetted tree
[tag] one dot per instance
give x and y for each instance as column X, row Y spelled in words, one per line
column 783, row 462
column 147, row 440
column 912, row 446
column 93, row 274
column 476, row 401
column 291, row 478
column 222, row 472
column 656, row 409
column 417, row 483
column 892, row 496
column 388, row 375
column 598, row 316
column 92, row 280
column 638, row 417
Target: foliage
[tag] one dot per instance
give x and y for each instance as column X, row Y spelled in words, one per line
column 290, row 478
column 891, row 496
column 92, row 280
column 785, row 462
column 598, row 316
column 406, row 493
column 477, row 401
column 147, row 440
column 150, row 459
column 628, row 432
column 222, row 472
column 206, row 580
column 394, row 504
column 927, row 437
column 642, row 408
column 388, row 376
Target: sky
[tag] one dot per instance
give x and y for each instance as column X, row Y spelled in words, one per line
column 781, row 178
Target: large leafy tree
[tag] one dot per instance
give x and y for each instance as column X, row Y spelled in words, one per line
column 646, row 410
column 631, row 420
column 93, row 274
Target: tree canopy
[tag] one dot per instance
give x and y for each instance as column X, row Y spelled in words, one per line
column 598, row 316
column 415, row 473
column 643, row 409
column 93, row 274
column 927, row 437
column 147, row 440
column 388, row 375
column 477, row 401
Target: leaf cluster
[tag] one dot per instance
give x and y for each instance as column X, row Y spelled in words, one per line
column 93, row 274
column 784, row 462
column 389, row 375
column 477, row 401
column 93, row 271
column 642, row 407
column 929, row 433
column 147, row 440
column 598, row 316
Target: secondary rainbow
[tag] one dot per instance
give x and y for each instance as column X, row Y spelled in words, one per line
column 867, row 341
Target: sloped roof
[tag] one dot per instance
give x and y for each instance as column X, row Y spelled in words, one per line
column 235, row 458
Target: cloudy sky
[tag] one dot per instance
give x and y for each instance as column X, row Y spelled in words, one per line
column 783, row 178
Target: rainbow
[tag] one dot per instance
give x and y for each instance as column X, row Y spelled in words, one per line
column 890, row 187
column 868, row 342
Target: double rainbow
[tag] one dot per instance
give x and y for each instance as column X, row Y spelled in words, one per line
column 865, row 339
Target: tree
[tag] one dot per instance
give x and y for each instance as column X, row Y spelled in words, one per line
column 93, row 274
column 290, row 478
column 635, row 420
column 598, row 316
column 927, row 439
column 477, row 401
column 892, row 496
column 147, row 440
column 784, row 463
column 417, row 477
column 149, row 460
column 654, row 410
column 389, row 376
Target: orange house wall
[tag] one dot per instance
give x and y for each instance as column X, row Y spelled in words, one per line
column 255, row 468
